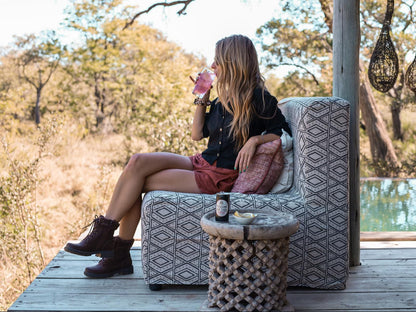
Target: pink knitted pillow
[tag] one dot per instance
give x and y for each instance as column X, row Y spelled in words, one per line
column 263, row 171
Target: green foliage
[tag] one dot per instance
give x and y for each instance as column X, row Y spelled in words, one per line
column 125, row 81
column 131, row 80
column 299, row 40
column 382, row 168
column 173, row 135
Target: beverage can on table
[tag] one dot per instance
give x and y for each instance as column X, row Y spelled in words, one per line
column 222, row 210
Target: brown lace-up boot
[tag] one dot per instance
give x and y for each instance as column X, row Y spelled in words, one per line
column 98, row 241
column 120, row 264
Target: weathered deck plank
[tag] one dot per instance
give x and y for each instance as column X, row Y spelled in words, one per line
column 59, row 301
column 385, row 282
column 387, row 236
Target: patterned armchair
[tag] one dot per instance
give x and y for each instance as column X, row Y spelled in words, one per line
column 175, row 249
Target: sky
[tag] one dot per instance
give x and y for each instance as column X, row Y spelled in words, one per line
column 205, row 23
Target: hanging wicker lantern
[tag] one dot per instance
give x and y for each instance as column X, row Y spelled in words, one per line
column 410, row 76
column 384, row 63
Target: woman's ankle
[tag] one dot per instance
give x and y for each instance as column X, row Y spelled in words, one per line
column 110, row 216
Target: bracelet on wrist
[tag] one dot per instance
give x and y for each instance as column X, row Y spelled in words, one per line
column 201, row 102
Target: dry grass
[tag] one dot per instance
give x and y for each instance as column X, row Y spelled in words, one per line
column 74, row 181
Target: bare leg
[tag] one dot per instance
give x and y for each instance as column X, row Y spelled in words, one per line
column 129, row 222
column 163, row 180
column 143, row 173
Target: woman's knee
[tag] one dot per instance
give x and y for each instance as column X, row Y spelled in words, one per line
column 136, row 162
column 150, row 163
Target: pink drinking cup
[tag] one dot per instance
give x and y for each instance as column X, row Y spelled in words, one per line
column 204, row 82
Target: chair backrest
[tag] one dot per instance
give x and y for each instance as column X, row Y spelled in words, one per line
column 320, row 128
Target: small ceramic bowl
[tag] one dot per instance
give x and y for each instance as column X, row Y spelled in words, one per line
column 244, row 218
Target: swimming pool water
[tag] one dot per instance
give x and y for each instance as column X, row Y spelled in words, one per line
column 388, row 204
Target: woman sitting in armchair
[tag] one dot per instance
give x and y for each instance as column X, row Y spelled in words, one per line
column 243, row 116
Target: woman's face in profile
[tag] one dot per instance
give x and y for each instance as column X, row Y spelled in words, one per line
column 215, row 67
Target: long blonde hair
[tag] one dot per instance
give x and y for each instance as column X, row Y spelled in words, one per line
column 238, row 76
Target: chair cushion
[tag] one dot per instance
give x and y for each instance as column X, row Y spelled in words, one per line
column 285, row 180
column 263, row 171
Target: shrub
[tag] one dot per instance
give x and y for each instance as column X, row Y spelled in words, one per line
column 20, row 234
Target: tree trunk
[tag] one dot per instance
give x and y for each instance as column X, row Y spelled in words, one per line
column 99, row 112
column 396, row 107
column 37, row 108
column 380, row 144
column 395, row 110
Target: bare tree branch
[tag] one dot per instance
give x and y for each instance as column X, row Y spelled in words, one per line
column 409, row 19
column 53, row 67
column 165, row 4
column 298, row 66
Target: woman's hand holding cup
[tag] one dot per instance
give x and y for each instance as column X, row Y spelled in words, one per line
column 203, row 82
column 203, row 85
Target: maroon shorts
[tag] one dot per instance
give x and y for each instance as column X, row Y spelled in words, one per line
column 210, row 178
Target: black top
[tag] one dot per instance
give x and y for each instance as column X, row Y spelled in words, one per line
column 221, row 146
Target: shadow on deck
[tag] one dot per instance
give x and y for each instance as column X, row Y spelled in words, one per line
column 386, row 281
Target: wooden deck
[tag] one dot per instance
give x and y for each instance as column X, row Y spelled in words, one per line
column 386, row 281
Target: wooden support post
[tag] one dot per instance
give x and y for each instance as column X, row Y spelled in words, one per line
column 346, row 84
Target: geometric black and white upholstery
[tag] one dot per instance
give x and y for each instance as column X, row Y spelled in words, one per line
column 175, row 248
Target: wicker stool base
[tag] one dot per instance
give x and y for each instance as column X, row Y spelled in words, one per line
column 248, row 275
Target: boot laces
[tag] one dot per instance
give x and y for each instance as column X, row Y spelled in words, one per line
column 93, row 228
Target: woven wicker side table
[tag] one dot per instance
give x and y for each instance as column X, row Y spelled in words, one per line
column 248, row 263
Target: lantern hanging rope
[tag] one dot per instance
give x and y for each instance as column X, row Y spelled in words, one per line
column 384, row 63
column 410, row 76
